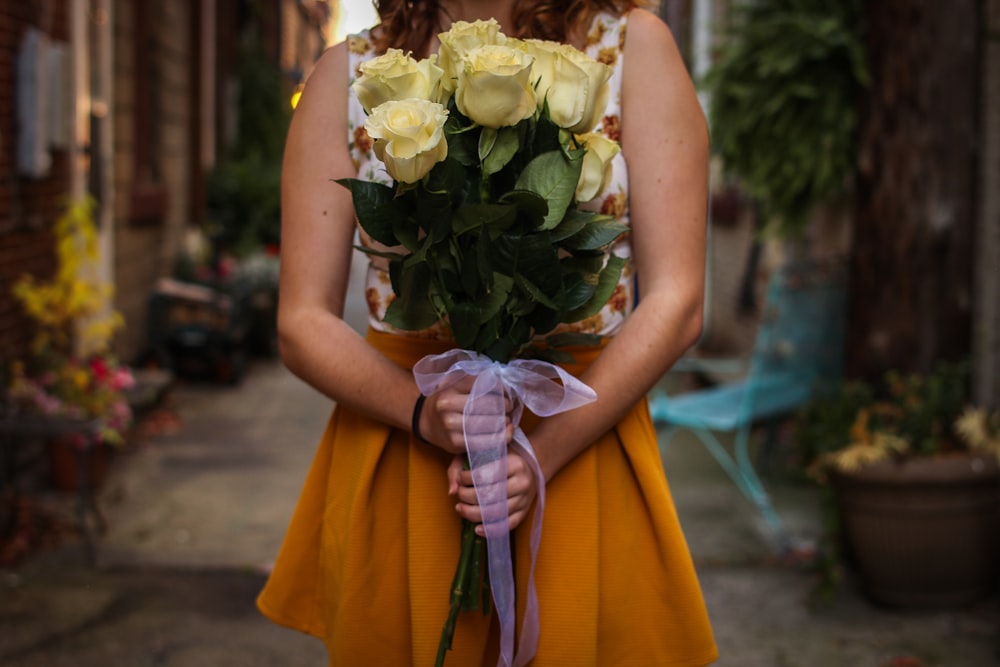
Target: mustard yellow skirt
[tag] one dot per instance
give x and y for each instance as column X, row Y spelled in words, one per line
column 370, row 553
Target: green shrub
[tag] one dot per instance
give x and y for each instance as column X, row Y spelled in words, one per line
column 784, row 112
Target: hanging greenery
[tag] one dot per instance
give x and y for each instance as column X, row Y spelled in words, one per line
column 244, row 189
column 784, row 112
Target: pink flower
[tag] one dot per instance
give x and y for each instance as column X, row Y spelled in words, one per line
column 99, row 367
column 121, row 412
column 122, row 379
column 49, row 405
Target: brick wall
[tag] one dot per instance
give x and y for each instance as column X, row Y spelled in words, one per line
column 145, row 249
column 28, row 208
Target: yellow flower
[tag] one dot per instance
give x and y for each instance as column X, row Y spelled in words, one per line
column 573, row 85
column 73, row 296
column 494, row 86
column 397, row 76
column 596, row 165
column 409, row 137
column 462, row 38
column 80, row 379
column 979, row 430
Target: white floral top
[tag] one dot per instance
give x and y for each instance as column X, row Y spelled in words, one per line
column 604, row 42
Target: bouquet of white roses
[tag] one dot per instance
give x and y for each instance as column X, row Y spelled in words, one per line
column 490, row 147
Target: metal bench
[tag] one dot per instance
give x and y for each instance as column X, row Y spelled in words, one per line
column 797, row 352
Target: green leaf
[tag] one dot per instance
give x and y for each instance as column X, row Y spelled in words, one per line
column 407, row 231
column 464, row 318
column 546, row 136
column 572, row 222
column 463, row 140
column 538, row 260
column 412, row 310
column 488, row 336
column 534, row 291
column 543, row 320
column 470, row 271
column 605, row 288
column 552, row 176
column 483, row 263
column 371, row 252
column 503, row 345
column 487, row 139
column 450, row 280
column 596, row 234
column 496, row 297
column 495, row 217
column 375, row 208
column 433, row 214
column 587, row 265
column 553, row 356
column 504, row 147
column 530, row 206
column 578, row 291
column 447, row 177
column 503, row 253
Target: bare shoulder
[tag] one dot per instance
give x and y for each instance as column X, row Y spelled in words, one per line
column 648, row 35
column 329, row 76
column 658, row 95
column 317, row 142
column 320, row 119
column 651, row 57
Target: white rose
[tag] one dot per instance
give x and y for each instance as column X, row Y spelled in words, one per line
column 494, row 86
column 596, row 165
column 458, row 41
column 574, row 85
column 409, row 137
column 397, row 76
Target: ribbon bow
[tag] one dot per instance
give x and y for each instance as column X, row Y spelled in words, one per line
column 546, row 390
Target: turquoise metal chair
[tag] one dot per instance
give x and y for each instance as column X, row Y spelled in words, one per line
column 797, row 353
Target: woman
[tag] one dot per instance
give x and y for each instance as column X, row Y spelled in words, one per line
column 369, row 556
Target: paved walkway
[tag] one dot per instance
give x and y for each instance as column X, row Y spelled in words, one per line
column 196, row 515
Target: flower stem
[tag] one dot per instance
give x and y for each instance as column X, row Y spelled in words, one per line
column 464, row 576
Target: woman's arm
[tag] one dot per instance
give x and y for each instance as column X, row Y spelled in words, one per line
column 317, row 234
column 665, row 144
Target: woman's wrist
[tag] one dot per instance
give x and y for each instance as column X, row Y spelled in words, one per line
column 418, row 409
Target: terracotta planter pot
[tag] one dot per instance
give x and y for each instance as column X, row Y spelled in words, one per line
column 924, row 532
column 66, row 458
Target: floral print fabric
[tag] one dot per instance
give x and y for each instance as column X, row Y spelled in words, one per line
column 604, row 42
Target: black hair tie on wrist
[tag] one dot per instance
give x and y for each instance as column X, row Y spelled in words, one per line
column 415, row 422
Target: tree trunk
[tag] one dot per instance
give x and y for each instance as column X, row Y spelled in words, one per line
column 986, row 311
column 912, row 265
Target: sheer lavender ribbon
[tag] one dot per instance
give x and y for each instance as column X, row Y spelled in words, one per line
column 528, row 383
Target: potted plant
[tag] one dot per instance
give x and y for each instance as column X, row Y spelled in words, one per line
column 72, row 381
column 915, row 477
column 784, row 107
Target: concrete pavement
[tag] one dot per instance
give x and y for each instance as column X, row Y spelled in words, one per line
column 196, row 514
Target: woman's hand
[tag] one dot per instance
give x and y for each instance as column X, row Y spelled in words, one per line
column 441, row 418
column 522, row 489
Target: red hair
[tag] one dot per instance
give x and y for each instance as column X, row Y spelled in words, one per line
column 411, row 25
